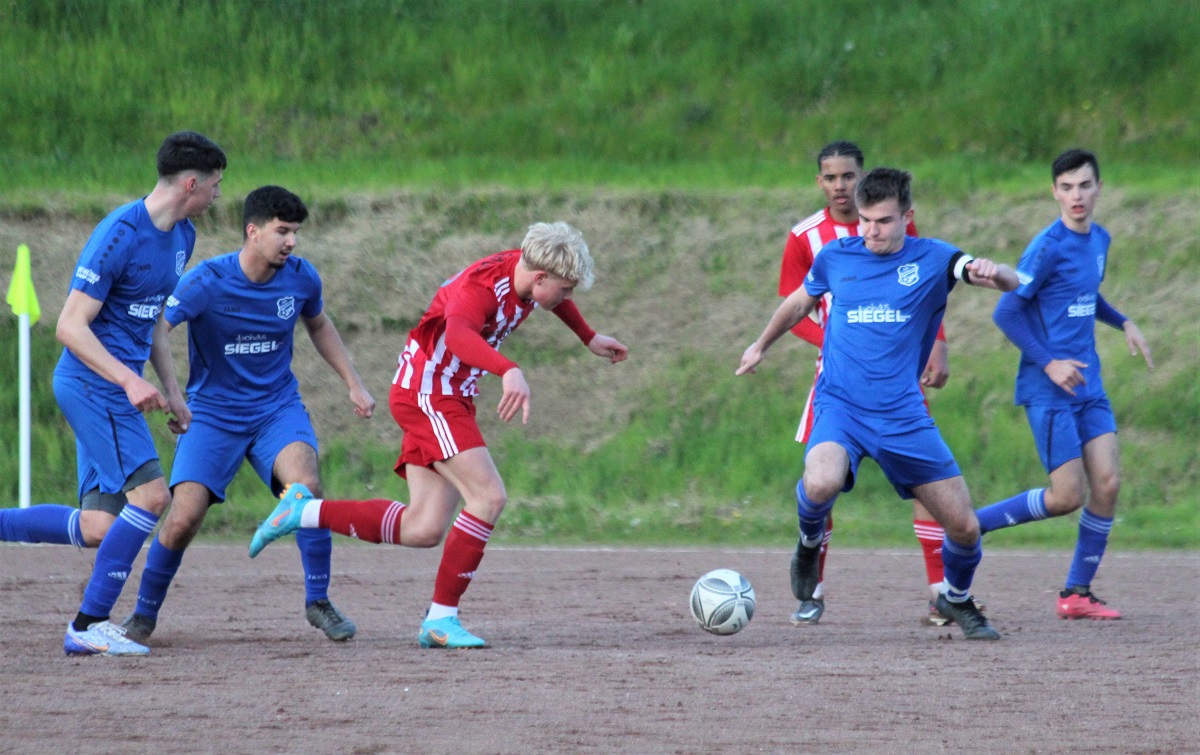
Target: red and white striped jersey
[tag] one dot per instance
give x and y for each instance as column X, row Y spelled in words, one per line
column 483, row 293
column 803, row 244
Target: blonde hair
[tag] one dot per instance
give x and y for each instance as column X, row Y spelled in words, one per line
column 558, row 249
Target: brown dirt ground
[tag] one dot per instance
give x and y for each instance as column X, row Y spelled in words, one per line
column 593, row 650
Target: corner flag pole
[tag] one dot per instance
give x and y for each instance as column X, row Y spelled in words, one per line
column 24, row 302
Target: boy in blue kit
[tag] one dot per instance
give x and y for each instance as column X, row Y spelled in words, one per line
column 242, row 309
column 889, row 294
column 110, row 324
column 1051, row 318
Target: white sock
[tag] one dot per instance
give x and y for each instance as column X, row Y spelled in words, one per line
column 310, row 517
column 439, row 611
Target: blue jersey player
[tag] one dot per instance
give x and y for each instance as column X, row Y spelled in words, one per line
column 889, row 294
column 1052, row 319
column 242, row 309
column 110, row 324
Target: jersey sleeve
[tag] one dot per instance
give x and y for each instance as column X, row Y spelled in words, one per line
column 103, row 259
column 313, row 303
column 464, row 341
column 569, row 313
column 797, row 260
column 816, row 283
column 190, row 297
column 1036, row 265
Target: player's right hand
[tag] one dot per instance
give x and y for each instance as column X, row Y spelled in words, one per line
column 1065, row 374
column 750, row 359
column 142, row 394
column 516, row 396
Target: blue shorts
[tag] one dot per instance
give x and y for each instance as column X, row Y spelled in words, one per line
column 910, row 451
column 1061, row 432
column 114, row 450
column 212, row 450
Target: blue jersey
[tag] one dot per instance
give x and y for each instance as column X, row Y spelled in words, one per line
column 1060, row 274
column 241, row 333
column 882, row 321
column 130, row 266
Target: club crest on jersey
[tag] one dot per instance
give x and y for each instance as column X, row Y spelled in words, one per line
column 285, row 307
column 180, row 261
column 909, row 274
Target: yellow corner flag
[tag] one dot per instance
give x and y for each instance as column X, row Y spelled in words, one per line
column 21, row 295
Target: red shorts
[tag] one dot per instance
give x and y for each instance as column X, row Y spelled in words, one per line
column 435, row 427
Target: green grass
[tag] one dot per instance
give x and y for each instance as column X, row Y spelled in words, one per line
column 375, row 93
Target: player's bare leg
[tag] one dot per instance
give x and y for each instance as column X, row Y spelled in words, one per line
column 950, row 503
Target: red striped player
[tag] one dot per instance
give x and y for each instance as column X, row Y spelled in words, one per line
column 443, row 455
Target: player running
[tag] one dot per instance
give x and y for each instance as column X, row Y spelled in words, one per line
column 1052, row 318
column 110, row 325
column 839, row 167
column 443, row 455
column 889, row 294
column 242, row 309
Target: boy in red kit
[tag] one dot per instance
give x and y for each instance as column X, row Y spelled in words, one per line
column 443, row 455
column 839, row 166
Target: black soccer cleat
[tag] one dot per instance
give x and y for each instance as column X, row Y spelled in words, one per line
column 967, row 615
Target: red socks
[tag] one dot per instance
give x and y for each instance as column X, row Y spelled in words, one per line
column 824, row 549
column 375, row 521
column 930, row 534
column 460, row 558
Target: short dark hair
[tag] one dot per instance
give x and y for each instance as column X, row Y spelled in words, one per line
column 188, row 150
column 882, row 184
column 267, row 203
column 840, row 149
column 1073, row 159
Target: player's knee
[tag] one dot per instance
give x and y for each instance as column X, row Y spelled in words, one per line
column 820, row 487
column 963, row 530
column 1064, row 499
column 94, row 528
column 1107, row 486
column 177, row 532
column 422, row 536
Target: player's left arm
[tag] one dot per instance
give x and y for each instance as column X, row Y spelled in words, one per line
column 1137, row 343
column 325, row 337
column 179, row 415
column 600, row 345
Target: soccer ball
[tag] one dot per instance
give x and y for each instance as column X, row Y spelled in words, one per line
column 723, row 601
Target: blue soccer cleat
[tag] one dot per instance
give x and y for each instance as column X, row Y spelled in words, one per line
column 101, row 638
column 447, row 633
column 284, row 520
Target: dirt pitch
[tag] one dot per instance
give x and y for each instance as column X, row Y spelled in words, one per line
column 593, row 650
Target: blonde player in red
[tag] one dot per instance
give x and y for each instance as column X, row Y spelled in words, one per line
column 443, row 455
column 840, row 165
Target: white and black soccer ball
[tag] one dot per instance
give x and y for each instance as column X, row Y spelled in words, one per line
column 723, row 601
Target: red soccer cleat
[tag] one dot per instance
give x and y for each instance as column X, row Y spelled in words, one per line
column 1073, row 604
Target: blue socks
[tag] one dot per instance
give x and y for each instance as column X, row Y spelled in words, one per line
column 959, row 562
column 812, row 517
column 114, row 559
column 161, row 565
column 316, row 547
column 1023, row 507
column 43, row 523
column 1089, row 549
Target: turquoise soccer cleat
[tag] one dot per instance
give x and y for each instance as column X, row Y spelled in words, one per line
column 447, row 633
column 284, row 520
